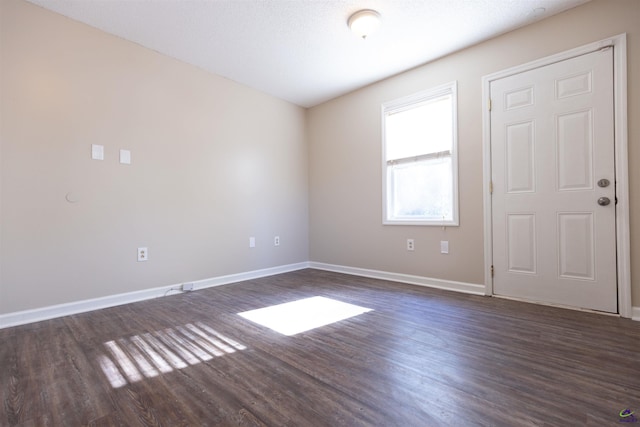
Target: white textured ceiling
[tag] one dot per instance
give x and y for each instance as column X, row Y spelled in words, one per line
column 302, row 50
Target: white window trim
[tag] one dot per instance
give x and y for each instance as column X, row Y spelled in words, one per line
column 402, row 104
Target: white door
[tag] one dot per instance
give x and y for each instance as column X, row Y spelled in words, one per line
column 552, row 160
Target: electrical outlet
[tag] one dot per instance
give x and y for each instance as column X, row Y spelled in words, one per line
column 143, row 254
column 252, row 242
column 410, row 245
column 276, row 241
column 187, row 287
column 444, row 246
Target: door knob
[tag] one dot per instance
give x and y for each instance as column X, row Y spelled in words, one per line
column 604, row 201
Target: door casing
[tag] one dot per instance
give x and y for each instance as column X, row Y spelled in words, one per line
column 619, row 44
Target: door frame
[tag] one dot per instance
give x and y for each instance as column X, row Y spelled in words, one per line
column 623, row 270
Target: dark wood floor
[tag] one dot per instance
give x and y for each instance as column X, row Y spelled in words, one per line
column 422, row 357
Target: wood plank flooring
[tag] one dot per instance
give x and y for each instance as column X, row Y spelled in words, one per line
column 422, row 357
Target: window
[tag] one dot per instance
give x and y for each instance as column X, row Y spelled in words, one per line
column 420, row 158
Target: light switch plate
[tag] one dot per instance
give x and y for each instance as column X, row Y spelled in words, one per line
column 97, row 152
column 252, row 242
column 125, row 157
column 444, row 246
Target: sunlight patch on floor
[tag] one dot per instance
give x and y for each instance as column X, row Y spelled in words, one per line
column 151, row 354
column 303, row 315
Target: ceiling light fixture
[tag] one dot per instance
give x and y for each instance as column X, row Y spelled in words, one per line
column 536, row 13
column 364, row 22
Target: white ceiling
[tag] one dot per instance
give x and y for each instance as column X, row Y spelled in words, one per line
column 302, row 50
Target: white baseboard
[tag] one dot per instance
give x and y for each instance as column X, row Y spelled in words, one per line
column 256, row 274
column 54, row 311
column 468, row 288
column 51, row 312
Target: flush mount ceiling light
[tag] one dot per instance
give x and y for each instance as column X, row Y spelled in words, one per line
column 536, row 13
column 364, row 22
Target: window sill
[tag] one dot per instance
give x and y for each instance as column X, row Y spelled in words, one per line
column 428, row 223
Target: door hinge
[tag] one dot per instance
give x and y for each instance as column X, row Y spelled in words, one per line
column 492, row 271
column 489, row 104
column 490, row 187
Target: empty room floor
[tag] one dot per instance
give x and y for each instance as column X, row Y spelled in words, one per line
column 408, row 356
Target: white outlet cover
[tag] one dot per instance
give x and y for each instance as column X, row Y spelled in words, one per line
column 410, row 244
column 97, row 152
column 444, row 246
column 143, row 254
column 125, row 157
column 252, row 242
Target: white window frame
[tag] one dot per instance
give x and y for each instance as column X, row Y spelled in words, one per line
column 406, row 103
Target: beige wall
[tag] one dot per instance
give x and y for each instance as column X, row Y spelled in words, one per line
column 213, row 163
column 345, row 151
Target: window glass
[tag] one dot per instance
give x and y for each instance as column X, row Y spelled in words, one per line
column 426, row 128
column 420, row 164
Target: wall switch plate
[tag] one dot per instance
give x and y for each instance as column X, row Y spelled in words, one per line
column 252, row 242
column 276, row 241
column 97, row 152
column 444, row 246
column 410, row 244
column 143, row 254
column 125, row 157
column 187, row 287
